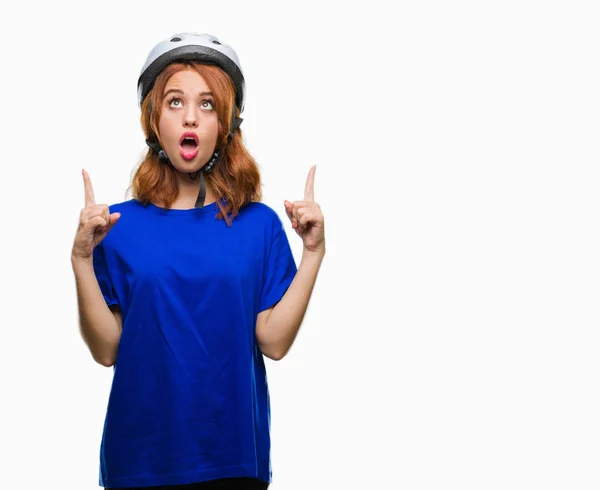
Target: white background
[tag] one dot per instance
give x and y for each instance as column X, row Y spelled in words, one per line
column 452, row 336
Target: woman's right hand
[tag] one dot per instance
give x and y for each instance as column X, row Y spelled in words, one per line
column 95, row 221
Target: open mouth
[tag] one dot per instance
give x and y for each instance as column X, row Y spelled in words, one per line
column 188, row 145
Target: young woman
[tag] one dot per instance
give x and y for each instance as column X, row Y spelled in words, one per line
column 185, row 287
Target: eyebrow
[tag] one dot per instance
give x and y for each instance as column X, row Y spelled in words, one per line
column 176, row 90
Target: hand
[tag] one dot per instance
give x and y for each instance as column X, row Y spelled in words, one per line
column 95, row 221
column 306, row 217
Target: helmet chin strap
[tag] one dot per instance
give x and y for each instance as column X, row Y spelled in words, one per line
column 202, row 193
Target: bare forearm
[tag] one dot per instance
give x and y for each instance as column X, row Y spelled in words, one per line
column 98, row 325
column 284, row 321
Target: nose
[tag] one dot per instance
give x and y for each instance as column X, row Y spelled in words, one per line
column 190, row 118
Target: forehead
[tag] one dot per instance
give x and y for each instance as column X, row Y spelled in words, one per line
column 187, row 80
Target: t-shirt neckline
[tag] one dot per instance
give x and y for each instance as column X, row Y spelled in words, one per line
column 181, row 212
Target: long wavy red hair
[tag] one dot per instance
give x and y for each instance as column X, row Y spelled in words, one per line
column 235, row 177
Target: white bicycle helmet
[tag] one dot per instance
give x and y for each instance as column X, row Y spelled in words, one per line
column 205, row 49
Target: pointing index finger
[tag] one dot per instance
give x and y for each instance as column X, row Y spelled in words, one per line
column 309, row 190
column 90, row 200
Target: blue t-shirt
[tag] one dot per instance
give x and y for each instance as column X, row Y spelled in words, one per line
column 189, row 400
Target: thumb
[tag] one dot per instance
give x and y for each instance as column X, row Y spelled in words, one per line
column 114, row 217
column 288, row 208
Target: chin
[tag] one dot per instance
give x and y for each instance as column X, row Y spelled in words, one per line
column 188, row 166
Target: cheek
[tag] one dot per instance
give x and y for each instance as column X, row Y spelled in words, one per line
column 165, row 127
column 211, row 130
column 214, row 125
column 161, row 125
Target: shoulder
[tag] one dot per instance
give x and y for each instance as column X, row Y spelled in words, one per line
column 259, row 208
column 129, row 222
column 119, row 207
column 261, row 212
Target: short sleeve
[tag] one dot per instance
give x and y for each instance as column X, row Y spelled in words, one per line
column 103, row 275
column 280, row 269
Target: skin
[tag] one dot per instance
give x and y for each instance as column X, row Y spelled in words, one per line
column 306, row 217
column 95, row 221
column 187, row 110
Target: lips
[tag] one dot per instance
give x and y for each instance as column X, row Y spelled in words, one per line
column 188, row 145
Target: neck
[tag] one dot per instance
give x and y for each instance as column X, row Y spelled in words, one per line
column 188, row 191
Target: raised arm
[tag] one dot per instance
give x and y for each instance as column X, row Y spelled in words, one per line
column 100, row 327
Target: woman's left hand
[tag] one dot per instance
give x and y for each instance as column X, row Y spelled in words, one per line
column 306, row 217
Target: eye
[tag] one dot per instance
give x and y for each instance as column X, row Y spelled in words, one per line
column 175, row 99
column 212, row 104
